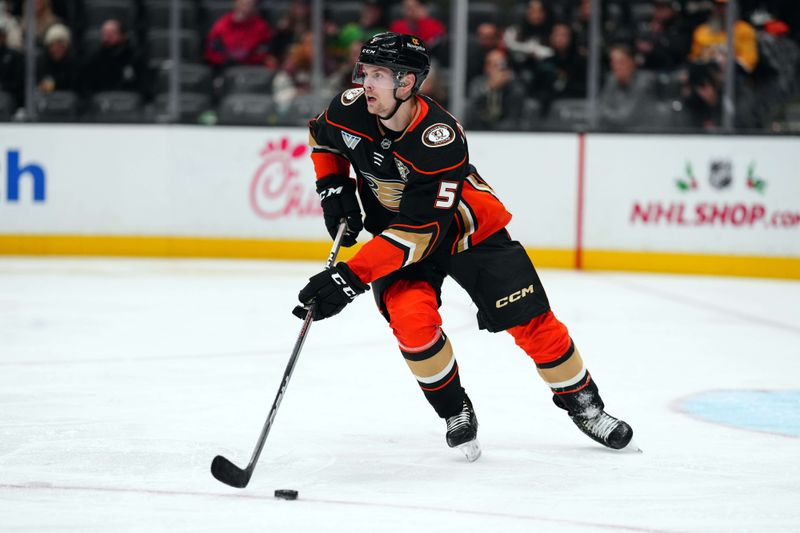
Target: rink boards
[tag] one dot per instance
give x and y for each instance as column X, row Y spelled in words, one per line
column 701, row 204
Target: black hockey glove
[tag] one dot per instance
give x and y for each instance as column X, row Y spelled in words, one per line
column 338, row 196
column 330, row 290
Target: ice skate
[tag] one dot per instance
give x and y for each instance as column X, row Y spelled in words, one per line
column 605, row 429
column 462, row 431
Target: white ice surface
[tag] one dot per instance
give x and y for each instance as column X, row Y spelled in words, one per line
column 120, row 380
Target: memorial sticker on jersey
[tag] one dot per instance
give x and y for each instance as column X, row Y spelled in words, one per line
column 438, row 135
column 350, row 140
column 351, row 95
column 402, row 169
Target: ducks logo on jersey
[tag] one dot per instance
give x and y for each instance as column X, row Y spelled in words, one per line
column 389, row 192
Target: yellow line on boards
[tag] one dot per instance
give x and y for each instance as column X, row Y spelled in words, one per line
column 159, row 246
column 720, row 265
column 156, row 246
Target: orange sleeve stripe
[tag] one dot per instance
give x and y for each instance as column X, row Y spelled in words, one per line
column 329, row 121
column 426, row 172
column 326, row 163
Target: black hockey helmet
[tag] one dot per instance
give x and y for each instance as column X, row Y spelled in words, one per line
column 398, row 52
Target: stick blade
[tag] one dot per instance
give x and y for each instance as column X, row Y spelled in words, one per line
column 228, row 473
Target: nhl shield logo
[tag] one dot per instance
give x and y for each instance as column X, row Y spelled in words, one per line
column 721, row 173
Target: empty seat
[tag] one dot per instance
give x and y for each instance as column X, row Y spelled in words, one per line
column 192, row 105
column 669, row 85
column 96, row 12
column 158, row 45
column 7, row 107
column 247, row 79
column 303, row 108
column 194, row 77
column 530, row 117
column 159, row 14
column 116, row 106
column 343, row 12
column 247, row 109
column 568, row 114
column 57, row 106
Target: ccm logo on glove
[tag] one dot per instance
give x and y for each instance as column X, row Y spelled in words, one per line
column 330, row 291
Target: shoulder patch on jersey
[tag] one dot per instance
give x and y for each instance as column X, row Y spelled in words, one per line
column 351, row 95
column 438, row 135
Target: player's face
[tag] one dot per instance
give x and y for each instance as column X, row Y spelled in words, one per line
column 379, row 88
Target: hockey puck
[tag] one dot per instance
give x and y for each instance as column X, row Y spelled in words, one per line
column 286, row 494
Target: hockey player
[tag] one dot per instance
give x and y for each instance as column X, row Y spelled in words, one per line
column 432, row 215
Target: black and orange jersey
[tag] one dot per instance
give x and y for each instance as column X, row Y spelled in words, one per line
column 418, row 189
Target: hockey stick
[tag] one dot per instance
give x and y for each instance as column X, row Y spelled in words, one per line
column 224, row 470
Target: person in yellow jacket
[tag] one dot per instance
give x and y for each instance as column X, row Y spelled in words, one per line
column 709, row 42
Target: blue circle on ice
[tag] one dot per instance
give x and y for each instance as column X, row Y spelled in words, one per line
column 756, row 410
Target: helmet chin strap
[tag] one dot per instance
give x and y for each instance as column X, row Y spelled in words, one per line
column 397, row 103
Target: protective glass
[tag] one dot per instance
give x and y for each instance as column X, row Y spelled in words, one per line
column 378, row 77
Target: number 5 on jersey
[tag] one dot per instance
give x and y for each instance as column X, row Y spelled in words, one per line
column 447, row 194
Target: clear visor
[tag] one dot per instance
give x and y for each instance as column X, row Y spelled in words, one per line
column 376, row 77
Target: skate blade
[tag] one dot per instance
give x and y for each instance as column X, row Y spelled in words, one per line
column 471, row 450
column 632, row 447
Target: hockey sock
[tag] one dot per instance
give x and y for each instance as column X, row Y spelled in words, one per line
column 547, row 342
column 436, row 371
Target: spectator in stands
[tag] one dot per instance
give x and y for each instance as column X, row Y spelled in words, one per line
column 116, row 65
column 628, row 93
column 580, row 26
column 709, row 42
column 665, row 43
column 342, row 77
column 294, row 76
column 291, row 27
column 418, row 21
column 496, row 98
column 240, row 37
column 371, row 22
column 435, row 86
column 57, row 69
column 487, row 38
column 704, row 102
column 529, row 38
column 563, row 75
column 12, row 69
column 44, row 19
column 526, row 42
column 777, row 77
column 10, row 24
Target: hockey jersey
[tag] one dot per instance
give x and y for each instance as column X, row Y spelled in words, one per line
column 418, row 189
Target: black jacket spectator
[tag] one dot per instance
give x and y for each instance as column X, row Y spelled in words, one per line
column 57, row 69
column 116, row 65
column 564, row 74
column 12, row 69
column 665, row 43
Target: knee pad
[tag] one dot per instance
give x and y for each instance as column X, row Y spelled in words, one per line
column 413, row 314
column 544, row 338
